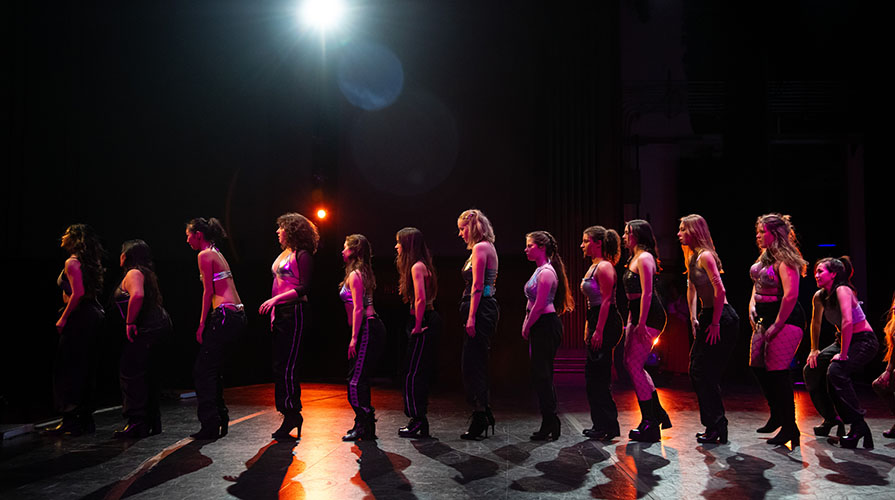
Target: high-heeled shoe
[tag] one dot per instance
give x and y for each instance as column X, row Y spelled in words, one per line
column 416, row 428
column 664, row 419
column 827, row 425
column 477, row 426
column 207, row 433
column 890, row 433
column 787, row 434
column 648, row 429
column 490, row 417
column 364, row 429
column 290, row 421
column 551, row 428
column 859, row 430
column 713, row 436
column 133, row 430
column 602, row 434
column 770, row 426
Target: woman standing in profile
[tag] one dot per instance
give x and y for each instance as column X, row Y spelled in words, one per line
column 367, row 333
column 418, row 286
column 289, row 315
column 884, row 385
column 829, row 373
column 81, row 281
column 714, row 328
column 221, row 319
column 646, row 320
column 546, row 291
column 602, row 330
column 139, row 301
column 479, row 310
column 777, row 321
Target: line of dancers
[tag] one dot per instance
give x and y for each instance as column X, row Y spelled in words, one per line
column 777, row 318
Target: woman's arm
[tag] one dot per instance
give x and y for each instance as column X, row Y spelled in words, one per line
column 692, row 299
column 817, row 316
column 418, row 273
column 75, row 279
column 479, row 261
column 133, row 284
column 719, row 294
column 545, row 282
column 845, row 295
column 647, row 268
column 606, row 280
column 206, row 270
column 753, row 316
column 789, row 279
column 356, row 285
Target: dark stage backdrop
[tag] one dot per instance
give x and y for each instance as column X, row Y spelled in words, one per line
column 136, row 117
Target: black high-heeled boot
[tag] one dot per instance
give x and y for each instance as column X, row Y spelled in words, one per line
column 155, row 423
column 859, row 430
column 477, row 426
column 551, row 428
column 290, row 421
column 773, row 422
column 827, row 425
column 890, row 433
column 135, row 429
column 783, row 405
column 207, row 432
column 661, row 414
column 648, row 430
column 364, row 428
column 416, row 428
column 714, row 435
column 490, row 417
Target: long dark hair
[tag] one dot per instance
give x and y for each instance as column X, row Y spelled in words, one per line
column 84, row 244
column 563, row 301
column 842, row 272
column 138, row 255
column 360, row 261
column 413, row 250
column 609, row 242
column 646, row 241
column 211, row 228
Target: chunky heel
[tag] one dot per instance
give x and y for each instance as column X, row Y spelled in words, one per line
column 858, row 431
column 827, row 425
column 786, row 435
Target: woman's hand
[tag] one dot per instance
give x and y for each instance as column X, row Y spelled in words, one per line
column 771, row 332
column 695, row 324
column 839, row 357
column 60, row 325
column 713, row 335
column 199, row 332
column 266, row 306
column 470, row 327
column 525, row 333
column 812, row 358
column 596, row 341
column 417, row 331
column 131, row 331
column 639, row 330
column 352, row 349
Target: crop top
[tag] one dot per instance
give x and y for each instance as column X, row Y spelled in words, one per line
column 489, row 288
column 531, row 286
column 700, row 281
column 345, row 295
column 295, row 270
column 834, row 314
column 631, row 282
column 62, row 282
column 590, row 287
column 766, row 280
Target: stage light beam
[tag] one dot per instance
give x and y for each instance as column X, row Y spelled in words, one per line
column 321, row 214
column 322, row 15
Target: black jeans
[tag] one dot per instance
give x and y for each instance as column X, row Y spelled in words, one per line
column 370, row 341
column 830, row 383
column 598, row 369
column 74, row 373
column 289, row 323
column 422, row 350
column 544, row 338
column 138, row 370
column 476, row 350
column 707, row 364
column 222, row 329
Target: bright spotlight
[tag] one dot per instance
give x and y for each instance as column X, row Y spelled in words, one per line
column 656, row 342
column 321, row 213
column 323, row 15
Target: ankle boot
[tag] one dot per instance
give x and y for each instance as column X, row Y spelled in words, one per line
column 661, row 414
column 827, row 425
column 478, row 425
column 135, row 429
column 890, row 433
column 648, row 430
column 416, row 428
column 364, row 428
column 859, row 430
column 290, row 421
column 550, row 428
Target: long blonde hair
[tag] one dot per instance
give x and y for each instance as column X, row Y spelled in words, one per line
column 785, row 247
column 700, row 239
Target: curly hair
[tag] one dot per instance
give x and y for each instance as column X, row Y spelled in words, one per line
column 480, row 228
column 785, row 247
column 562, row 301
column 413, row 250
column 84, row 244
column 301, row 233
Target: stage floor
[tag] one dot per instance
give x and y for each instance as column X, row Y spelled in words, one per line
column 248, row 464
